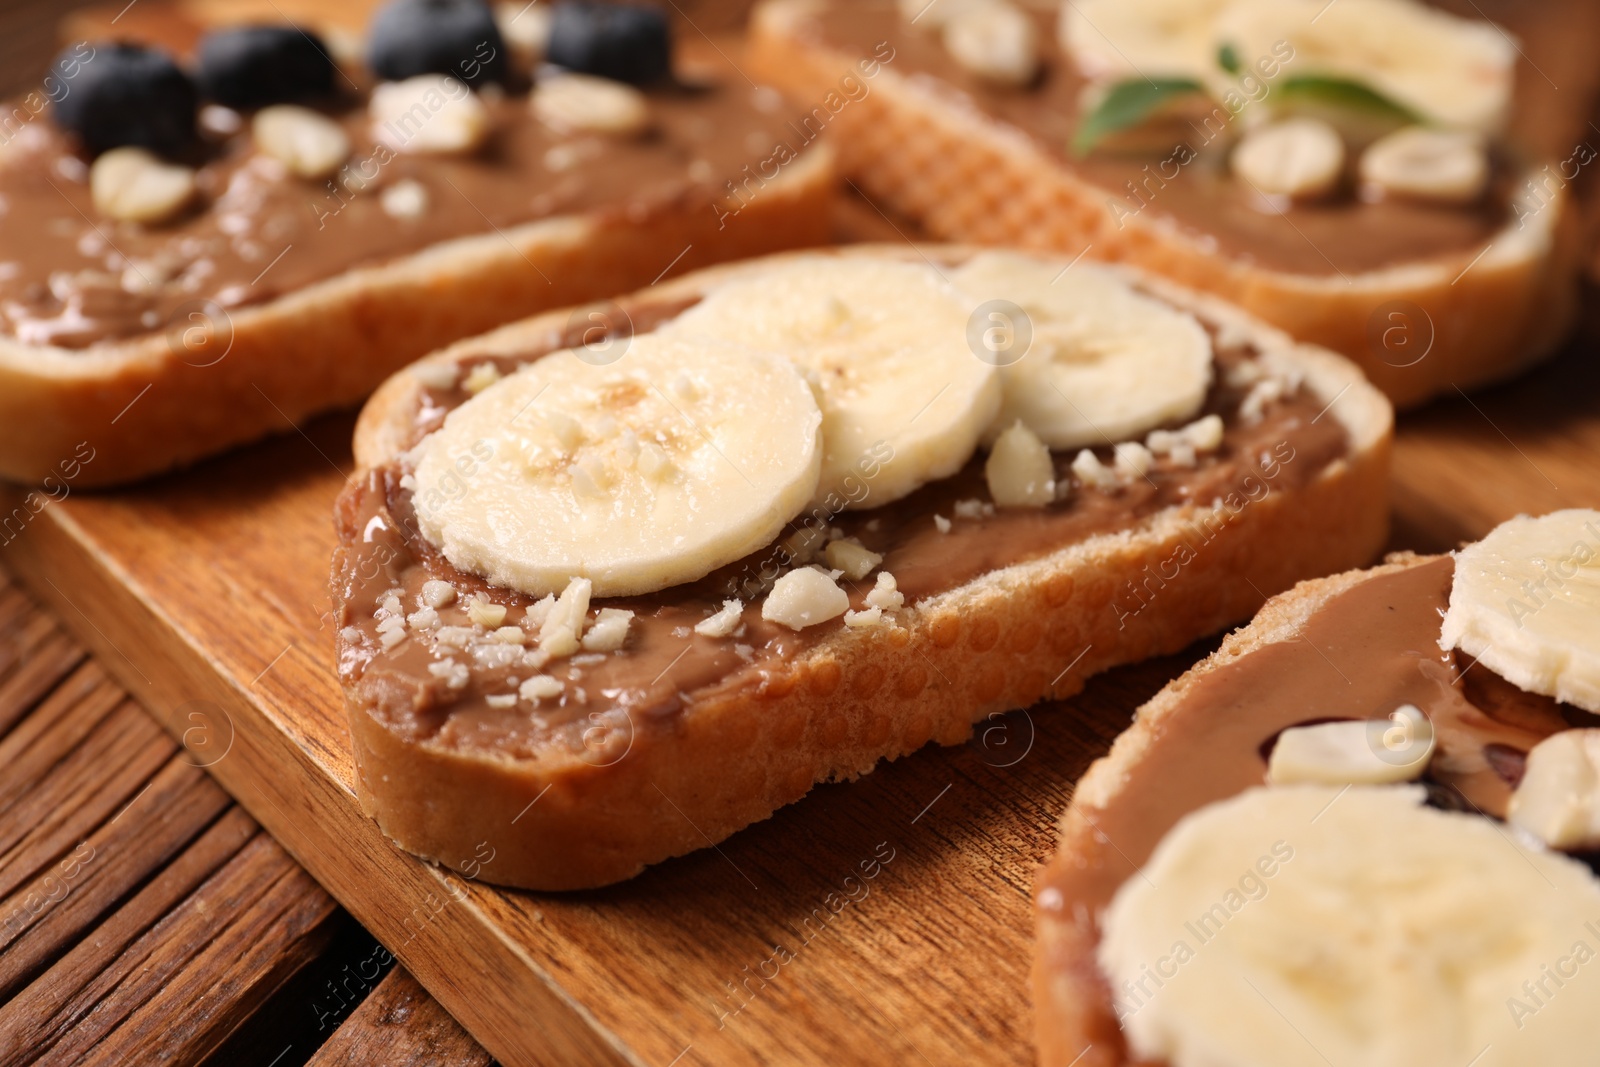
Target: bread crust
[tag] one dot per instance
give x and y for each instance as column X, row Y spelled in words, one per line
column 968, row 177
column 996, row 643
column 1073, row 1018
column 147, row 405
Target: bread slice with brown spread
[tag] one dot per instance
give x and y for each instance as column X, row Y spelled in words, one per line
column 681, row 737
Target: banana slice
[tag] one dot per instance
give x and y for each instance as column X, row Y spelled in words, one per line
column 1450, row 166
column 1301, row 158
column 1526, row 603
column 1450, row 70
column 1105, row 364
column 903, row 398
column 996, row 42
column 650, row 472
column 1314, row 924
column 1117, row 39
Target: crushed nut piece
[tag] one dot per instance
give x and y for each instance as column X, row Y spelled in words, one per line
column 1131, row 460
column 863, row 619
column 609, row 630
column 436, row 594
column 851, row 558
column 454, row 675
column 484, row 612
column 540, row 687
column 1090, row 471
column 563, row 626
column 941, row 523
column 405, row 199
column 501, row 700
column 1019, row 470
column 886, row 594
column 423, row 619
column 724, row 622
column 511, row 635
column 804, row 597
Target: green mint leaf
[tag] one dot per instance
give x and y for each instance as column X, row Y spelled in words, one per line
column 1128, row 104
column 1228, row 59
column 1344, row 93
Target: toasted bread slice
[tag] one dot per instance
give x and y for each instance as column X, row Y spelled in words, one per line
column 924, row 148
column 1354, row 645
column 148, row 404
column 730, row 752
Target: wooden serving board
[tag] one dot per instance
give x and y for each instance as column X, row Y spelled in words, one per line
column 205, row 594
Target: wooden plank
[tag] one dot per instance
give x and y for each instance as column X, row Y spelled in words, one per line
column 400, row 1025
column 118, row 940
column 212, row 582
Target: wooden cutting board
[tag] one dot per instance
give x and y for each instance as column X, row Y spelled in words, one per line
column 205, row 594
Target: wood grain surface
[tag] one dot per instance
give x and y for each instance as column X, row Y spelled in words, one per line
column 145, row 917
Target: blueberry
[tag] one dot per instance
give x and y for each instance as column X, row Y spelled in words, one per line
column 617, row 41
column 456, row 37
column 253, row 66
column 125, row 94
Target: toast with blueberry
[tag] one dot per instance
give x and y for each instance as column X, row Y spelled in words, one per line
column 205, row 251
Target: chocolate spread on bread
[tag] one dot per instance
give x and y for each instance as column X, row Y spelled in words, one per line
column 1186, row 181
column 70, row 278
column 1360, row 655
column 933, row 541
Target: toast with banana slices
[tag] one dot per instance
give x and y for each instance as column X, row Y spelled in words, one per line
column 773, row 522
column 196, row 262
column 1302, row 160
column 1362, row 800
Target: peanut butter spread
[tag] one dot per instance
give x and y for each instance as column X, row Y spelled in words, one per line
column 943, row 536
column 1183, row 179
column 1362, row 654
column 72, row 278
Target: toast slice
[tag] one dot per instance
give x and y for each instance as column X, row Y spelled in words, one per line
column 931, row 144
column 335, row 290
column 1354, row 645
column 990, row 628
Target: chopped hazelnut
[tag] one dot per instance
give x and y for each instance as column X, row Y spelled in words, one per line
column 724, row 622
column 804, row 597
column 851, row 558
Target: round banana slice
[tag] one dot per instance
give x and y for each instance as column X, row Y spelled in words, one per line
column 1450, row 70
column 1526, row 603
column 1106, row 363
column 655, row 470
column 1115, row 39
column 1300, row 158
column 1352, row 925
column 1450, row 166
column 904, row 399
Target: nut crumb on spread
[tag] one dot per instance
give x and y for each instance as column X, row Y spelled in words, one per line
column 1091, row 472
column 485, row 613
column 406, row 199
column 850, row 558
column 563, row 625
column 436, row 376
column 510, row 635
column 436, row 594
column 423, row 619
column 804, row 597
column 501, row 700
column 886, row 594
column 867, row 617
column 1131, row 460
column 540, row 687
column 724, row 622
column 454, row 675
column 1264, row 392
column 609, row 630
column 941, row 523
column 1019, row 471
column 973, row 508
